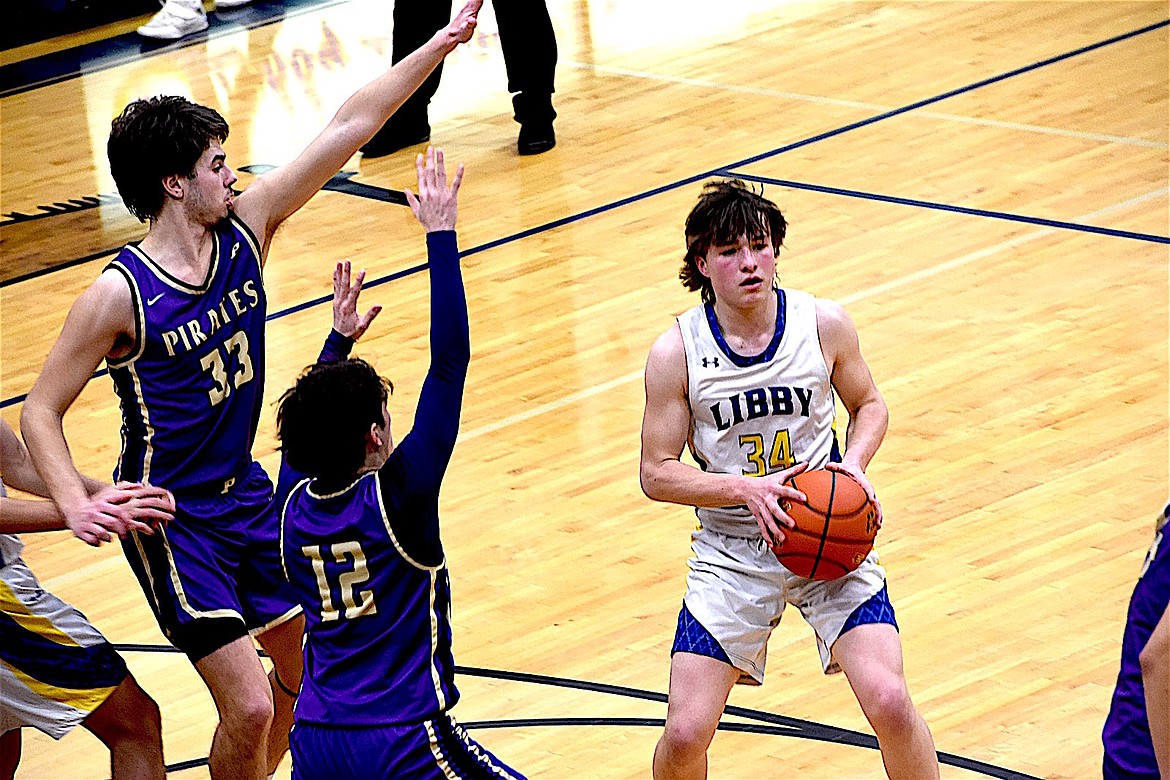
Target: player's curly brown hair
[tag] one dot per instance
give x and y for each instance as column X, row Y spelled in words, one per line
column 727, row 209
column 323, row 419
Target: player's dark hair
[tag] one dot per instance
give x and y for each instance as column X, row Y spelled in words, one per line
column 727, row 209
column 323, row 419
column 155, row 138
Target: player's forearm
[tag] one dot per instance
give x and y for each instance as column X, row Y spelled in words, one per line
column 370, row 107
column 450, row 334
column 441, row 397
column 18, row 516
column 45, row 437
column 675, row 482
column 17, row 468
column 336, row 348
column 866, row 430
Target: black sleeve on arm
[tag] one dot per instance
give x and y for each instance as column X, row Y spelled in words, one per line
column 336, row 348
column 412, row 476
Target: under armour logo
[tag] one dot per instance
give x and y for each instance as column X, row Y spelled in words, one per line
column 708, row 362
column 235, row 249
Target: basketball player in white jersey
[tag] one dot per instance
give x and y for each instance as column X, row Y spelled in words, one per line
column 748, row 380
column 56, row 670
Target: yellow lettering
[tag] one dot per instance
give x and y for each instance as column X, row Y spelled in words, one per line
column 170, row 339
column 197, row 336
column 213, row 323
column 183, row 336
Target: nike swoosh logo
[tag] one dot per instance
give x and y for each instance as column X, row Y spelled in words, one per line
column 152, row 301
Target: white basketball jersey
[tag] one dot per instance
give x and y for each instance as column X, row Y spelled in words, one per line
column 756, row 415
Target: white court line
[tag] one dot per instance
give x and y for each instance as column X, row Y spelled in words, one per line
column 910, row 278
column 1116, row 139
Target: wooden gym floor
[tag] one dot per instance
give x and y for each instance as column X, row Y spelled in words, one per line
column 984, row 185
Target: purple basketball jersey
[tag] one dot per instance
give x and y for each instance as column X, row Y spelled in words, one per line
column 192, row 390
column 1129, row 747
column 377, row 623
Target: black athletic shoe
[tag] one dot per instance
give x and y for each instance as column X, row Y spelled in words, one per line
column 536, row 138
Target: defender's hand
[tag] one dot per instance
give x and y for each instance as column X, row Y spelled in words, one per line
column 436, row 206
column 346, row 290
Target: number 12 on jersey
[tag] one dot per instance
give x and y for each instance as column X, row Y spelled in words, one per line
column 353, row 602
column 779, row 456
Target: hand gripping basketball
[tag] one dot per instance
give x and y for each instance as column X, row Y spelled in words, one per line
column 835, row 527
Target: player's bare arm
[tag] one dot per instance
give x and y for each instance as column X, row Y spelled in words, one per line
column 665, row 427
column 99, row 324
column 277, row 195
column 868, row 415
column 1155, row 663
column 19, row 515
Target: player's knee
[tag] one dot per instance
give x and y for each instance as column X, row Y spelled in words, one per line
column 147, row 725
column 888, row 706
column 686, row 738
column 129, row 717
column 250, row 715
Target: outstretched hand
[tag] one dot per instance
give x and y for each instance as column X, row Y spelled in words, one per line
column 436, row 205
column 346, row 319
column 462, row 27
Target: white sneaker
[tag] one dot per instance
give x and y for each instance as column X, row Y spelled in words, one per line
column 176, row 20
column 228, row 5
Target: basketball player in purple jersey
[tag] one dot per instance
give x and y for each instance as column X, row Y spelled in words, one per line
column 179, row 318
column 360, row 543
column 748, row 381
column 1137, row 731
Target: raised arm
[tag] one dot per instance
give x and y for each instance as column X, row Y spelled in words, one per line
column 666, row 424
column 275, row 196
column 868, row 415
column 414, row 471
column 100, row 322
column 428, row 447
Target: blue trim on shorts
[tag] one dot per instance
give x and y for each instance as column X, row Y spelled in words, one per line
column 877, row 609
column 691, row 636
column 74, row 667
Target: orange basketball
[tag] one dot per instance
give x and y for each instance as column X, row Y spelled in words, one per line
column 834, row 530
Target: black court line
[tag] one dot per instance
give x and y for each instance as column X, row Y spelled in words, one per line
column 1051, row 223
column 954, row 93
column 341, row 182
column 768, row 723
column 711, row 173
column 71, row 206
